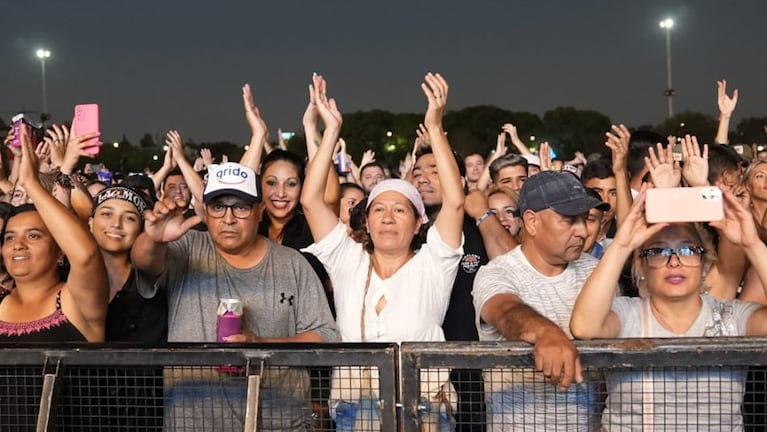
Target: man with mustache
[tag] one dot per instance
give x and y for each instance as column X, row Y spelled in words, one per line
column 527, row 295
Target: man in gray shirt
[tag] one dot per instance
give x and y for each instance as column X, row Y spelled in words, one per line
column 528, row 295
column 283, row 300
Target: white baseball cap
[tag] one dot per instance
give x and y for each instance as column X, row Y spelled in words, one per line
column 231, row 179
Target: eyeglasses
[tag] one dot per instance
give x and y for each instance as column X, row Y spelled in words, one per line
column 688, row 256
column 218, row 210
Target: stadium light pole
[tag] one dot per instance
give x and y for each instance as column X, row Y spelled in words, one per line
column 43, row 54
column 666, row 25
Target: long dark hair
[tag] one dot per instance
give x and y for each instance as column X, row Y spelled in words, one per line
column 297, row 162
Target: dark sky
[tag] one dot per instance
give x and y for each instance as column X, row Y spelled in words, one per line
column 157, row 65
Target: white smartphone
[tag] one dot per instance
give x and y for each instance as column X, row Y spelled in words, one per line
column 684, row 204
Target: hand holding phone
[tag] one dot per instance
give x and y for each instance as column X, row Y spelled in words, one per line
column 86, row 120
column 684, row 204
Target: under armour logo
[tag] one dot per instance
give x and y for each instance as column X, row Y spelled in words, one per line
column 283, row 298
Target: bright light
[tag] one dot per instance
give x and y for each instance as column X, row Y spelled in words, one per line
column 155, row 157
column 43, row 53
column 389, row 134
column 532, row 137
column 667, row 23
column 165, row 148
column 391, row 148
column 533, row 150
column 116, row 145
column 681, row 124
column 247, row 147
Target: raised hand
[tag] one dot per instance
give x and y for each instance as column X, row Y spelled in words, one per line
column 67, row 149
column 738, row 225
column 726, row 104
column 500, row 146
column 664, row 170
column 175, row 144
column 43, row 152
column 166, row 222
column 369, row 156
column 326, row 107
column 252, row 114
column 695, row 168
column 435, row 88
column 281, row 141
column 544, row 154
column 511, row 130
column 635, row 230
column 421, row 138
column 30, row 165
column 618, row 143
column 207, row 157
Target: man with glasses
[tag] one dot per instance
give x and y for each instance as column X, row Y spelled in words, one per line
column 527, row 295
column 281, row 295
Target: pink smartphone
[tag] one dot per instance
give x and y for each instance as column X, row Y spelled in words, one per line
column 684, row 204
column 87, row 121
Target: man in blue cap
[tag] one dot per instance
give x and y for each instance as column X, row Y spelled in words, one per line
column 527, row 295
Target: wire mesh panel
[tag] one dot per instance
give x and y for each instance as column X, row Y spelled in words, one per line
column 20, row 389
column 192, row 389
column 639, row 385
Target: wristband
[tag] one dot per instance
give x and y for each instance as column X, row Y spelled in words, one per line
column 64, row 180
column 487, row 214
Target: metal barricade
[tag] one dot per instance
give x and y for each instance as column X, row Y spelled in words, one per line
column 669, row 384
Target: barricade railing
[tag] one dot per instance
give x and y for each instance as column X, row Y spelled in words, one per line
column 673, row 384
column 183, row 387
column 692, row 384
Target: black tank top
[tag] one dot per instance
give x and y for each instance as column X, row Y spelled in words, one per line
column 53, row 328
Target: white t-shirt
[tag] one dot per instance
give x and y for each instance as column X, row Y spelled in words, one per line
column 417, row 296
column 523, row 399
column 681, row 399
column 551, row 296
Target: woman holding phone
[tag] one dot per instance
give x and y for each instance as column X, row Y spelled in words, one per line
column 392, row 287
column 669, row 264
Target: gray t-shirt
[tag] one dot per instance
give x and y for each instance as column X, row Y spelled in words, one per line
column 523, row 399
column 281, row 297
column 678, row 399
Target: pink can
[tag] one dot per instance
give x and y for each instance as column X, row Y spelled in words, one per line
column 229, row 318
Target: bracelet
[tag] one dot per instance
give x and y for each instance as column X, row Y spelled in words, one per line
column 64, row 180
column 487, row 214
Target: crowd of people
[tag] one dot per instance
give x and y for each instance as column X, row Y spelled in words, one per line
column 515, row 246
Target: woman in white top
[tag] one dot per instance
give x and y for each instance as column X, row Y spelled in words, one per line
column 669, row 264
column 390, row 288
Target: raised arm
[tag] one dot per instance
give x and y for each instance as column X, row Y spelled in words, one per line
column 168, row 163
column 449, row 220
column 495, row 237
column 592, row 316
column 618, row 143
column 518, row 144
column 258, row 129
column 319, row 214
column 87, row 282
column 193, row 180
column 500, row 150
column 726, row 108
